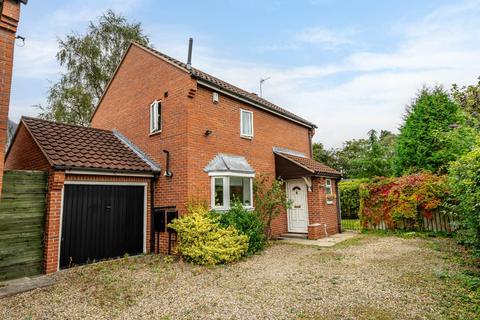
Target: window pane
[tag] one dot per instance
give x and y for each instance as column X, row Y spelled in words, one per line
column 246, row 123
column 240, row 191
column 236, row 189
column 247, row 194
column 218, row 192
column 152, row 117
column 328, row 186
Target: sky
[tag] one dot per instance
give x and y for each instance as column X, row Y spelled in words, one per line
column 349, row 66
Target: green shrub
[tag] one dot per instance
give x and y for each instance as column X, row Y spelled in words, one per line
column 204, row 241
column 246, row 222
column 350, row 197
column 270, row 199
column 464, row 181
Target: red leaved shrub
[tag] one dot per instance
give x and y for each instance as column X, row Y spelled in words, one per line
column 407, row 199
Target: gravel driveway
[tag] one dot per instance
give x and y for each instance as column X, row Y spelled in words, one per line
column 367, row 277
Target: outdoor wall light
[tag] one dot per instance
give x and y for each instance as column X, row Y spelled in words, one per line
column 208, row 132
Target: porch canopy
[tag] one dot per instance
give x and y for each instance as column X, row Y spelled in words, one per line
column 293, row 165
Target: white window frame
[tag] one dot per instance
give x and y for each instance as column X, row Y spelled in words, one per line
column 155, row 111
column 328, row 185
column 242, row 134
column 226, row 189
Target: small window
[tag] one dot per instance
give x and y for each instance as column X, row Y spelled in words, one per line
column 328, row 187
column 156, row 117
column 246, row 123
column 215, row 97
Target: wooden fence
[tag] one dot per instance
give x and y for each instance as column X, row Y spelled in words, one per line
column 437, row 223
column 22, row 212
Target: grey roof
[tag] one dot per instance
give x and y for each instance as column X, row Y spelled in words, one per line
column 137, row 150
column 229, row 163
column 288, row 151
column 251, row 97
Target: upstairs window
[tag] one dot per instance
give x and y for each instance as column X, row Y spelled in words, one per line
column 156, row 117
column 246, row 124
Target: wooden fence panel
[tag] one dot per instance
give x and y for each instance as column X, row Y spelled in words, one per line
column 22, row 213
column 438, row 222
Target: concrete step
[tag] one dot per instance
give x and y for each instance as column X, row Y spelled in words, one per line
column 292, row 235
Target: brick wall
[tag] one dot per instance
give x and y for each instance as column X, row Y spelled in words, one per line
column 141, row 79
column 318, row 209
column 25, row 154
column 53, row 211
column 223, row 119
column 9, row 17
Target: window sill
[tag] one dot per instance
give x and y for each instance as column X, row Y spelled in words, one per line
column 154, row 133
column 246, row 137
column 223, row 209
column 329, row 202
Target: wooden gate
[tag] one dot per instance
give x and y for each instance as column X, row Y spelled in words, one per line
column 22, row 212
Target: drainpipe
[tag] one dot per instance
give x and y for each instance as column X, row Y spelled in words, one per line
column 339, row 209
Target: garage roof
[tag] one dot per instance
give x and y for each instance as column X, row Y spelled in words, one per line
column 69, row 146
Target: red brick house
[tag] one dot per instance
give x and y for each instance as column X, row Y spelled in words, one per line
column 184, row 135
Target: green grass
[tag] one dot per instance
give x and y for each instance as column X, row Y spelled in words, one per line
column 351, row 224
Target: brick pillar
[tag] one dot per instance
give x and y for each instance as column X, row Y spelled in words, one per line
column 9, row 17
column 56, row 181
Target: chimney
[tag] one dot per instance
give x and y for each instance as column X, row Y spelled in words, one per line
column 189, row 59
column 9, row 18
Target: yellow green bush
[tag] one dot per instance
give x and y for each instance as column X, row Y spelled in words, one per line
column 204, row 241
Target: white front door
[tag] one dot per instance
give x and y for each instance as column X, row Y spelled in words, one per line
column 298, row 212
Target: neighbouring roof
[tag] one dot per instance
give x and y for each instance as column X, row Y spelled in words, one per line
column 223, row 85
column 229, row 163
column 75, row 147
column 311, row 165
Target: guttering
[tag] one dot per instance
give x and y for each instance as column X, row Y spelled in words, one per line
column 255, row 104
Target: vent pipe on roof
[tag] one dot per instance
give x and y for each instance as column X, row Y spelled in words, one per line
column 189, row 59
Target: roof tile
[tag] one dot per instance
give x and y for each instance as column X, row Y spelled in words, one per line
column 311, row 164
column 231, row 88
column 82, row 147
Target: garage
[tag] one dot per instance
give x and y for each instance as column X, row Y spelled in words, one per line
column 101, row 221
column 99, row 191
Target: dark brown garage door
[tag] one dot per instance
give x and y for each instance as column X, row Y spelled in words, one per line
column 101, row 222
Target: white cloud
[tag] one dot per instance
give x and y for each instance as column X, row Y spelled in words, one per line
column 326, row 37
column 36, row 59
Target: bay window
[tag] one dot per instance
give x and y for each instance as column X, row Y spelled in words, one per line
column 231, row 180
column 228, row 189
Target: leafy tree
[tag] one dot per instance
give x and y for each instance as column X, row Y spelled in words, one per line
column 464, row 178
column 468, row 98
column 322, row 155
column 366, row 158
column 90, row 61
column 376, row 158
column 433, row 134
